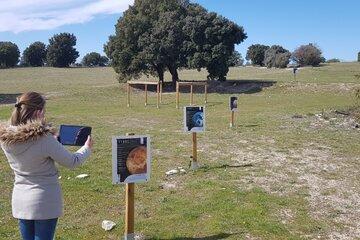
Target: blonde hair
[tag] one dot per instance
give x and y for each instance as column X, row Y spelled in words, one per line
column 26, row 106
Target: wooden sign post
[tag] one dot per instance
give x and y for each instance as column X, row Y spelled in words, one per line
column 131, row 160
column 194, row 162
column 146, row 95
column 129, row 211
column 232, row 119
column 129, row 207
column 128, row 94
column 158, row 95
column 161, row 90
column 177, row 94
column 194, row 122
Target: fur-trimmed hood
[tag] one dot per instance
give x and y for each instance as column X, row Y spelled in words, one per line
column 31, row 131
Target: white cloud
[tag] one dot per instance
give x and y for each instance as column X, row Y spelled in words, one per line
column 28, row 15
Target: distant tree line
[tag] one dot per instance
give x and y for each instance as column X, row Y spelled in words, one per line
column 60, row 52
column 278, row 57
column 333, row 60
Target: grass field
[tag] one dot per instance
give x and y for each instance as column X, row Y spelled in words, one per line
column 289, row 169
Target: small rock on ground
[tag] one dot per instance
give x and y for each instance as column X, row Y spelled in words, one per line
column 107, row 225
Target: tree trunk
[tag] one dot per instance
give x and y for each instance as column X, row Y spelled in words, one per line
column 160, row 72
column 174, row 75
column 161, row 76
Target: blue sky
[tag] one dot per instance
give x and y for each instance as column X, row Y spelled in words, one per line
column 333, row 25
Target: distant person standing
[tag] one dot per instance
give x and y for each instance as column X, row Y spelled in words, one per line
column 32, row 150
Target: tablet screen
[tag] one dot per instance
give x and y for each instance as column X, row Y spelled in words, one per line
column 74, row 135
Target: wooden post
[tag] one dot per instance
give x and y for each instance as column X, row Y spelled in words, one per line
column 129, row 211
column 129, row 208
column 161, row 90
column 206, row 93
column 232, row 119
column 177, row 94
column 194, row 163
column 128, row 94
column 158, row 95
column 146, row 95
column 191, row 95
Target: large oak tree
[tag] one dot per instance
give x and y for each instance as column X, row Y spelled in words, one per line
column 153, row 36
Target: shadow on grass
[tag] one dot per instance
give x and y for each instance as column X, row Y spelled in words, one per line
column 245, row 86
column 249, row 125
column 8, row 98
column 213, row 237
column 212, row 104
column 208, row 168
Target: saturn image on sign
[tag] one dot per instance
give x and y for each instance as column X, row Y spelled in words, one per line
column 136, row 160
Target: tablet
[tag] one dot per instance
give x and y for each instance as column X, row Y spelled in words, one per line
column 73, row 135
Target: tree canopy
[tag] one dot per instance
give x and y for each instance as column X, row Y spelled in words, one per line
column 35, row 55
column 153, row 36
column 236, row 60
column 277, row 56
column 9, row 54
column 256, row 54
column 308, row 55
column 358, row 56
column 61, row 50
column 94, row 59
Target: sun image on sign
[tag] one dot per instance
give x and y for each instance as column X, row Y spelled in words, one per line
column 131, row 159
column 233, row 103
column 194, row 119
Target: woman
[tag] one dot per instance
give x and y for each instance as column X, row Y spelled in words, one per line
column 32, row 150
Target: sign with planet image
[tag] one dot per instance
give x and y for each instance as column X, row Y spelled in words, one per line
column 194, row 119
column 131, row 159
column 233, row 103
